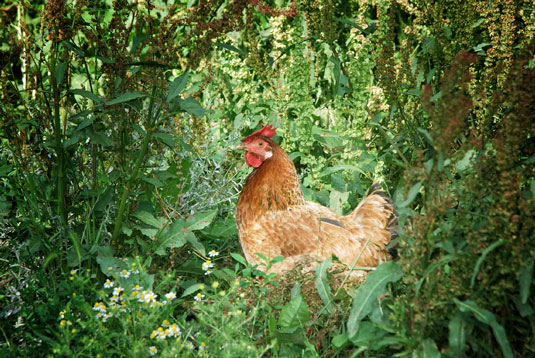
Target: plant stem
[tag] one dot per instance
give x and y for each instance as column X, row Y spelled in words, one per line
column 59, row 144
column 141, row 156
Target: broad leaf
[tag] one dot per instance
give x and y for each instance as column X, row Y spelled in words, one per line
column 173, row 237
column 295, row 313
column 200, row 220
column 149, row 219
column 367, row 294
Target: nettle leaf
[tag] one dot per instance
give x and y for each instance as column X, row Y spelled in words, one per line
column 368, row 293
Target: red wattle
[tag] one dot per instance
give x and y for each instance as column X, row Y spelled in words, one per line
column 252, row 160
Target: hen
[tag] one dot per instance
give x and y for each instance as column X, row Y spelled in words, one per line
column 274, row 219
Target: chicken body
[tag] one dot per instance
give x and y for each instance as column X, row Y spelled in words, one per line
column 274, row 219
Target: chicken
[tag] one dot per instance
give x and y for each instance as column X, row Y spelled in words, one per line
column 274, row 219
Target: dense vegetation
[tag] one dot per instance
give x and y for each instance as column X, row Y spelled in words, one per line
column 118, row 178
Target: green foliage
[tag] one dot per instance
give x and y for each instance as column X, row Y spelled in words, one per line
column 118, row 123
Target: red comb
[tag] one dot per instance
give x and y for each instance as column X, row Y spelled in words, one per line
column 267, row 131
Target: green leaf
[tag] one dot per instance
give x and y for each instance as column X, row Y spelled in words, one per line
column 200, row 220
column 352, row 24
column 464, row 163
column 197, row 245
column 167, row 139
column 413, row 191
column 330, row 139
column 82, row 92
column 100, row 139
column 295, row 313
column 126, row 97
column 191, row 289
column 173, row 237
column 230, row 48
column 239, row 258
column 77, row 245
column 525, row 279
column 368, row 293
column 337, row 168
column 484, row 316
column 429, row 349
column 192, row 106
column 340, row 341
column 73, row 48
column 177, row 86
column 106, row 260
column 443, row 261
column 478, row 22
column 482, row 259
column 457, row 335
column 337, row 201
column 149, row 219
column 426, row 134
column 59, row 72
column 322, row 284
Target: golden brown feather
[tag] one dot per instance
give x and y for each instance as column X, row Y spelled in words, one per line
column 274, row 219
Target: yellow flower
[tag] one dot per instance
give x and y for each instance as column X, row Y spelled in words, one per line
column 74, row 294
column 62, row 322
column 71, row 278
column 215, row 284
column 73, row 330
column 222, row 293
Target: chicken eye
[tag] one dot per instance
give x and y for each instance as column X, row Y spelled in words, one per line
column 260, row 144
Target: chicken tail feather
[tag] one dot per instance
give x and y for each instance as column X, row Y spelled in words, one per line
column 376, row 214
